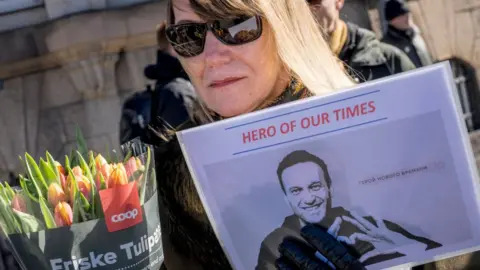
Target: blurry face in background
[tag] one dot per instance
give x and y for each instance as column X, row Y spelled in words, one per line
column 327, row 13
column 306, row 191
column 232, row 80
column 402, row 22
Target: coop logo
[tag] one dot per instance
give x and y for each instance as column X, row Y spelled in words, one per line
column 121, row 206
column 124, row 216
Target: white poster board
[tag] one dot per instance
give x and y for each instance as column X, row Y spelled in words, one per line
column 396, row 149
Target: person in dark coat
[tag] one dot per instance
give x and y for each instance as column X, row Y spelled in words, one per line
column 403, row 34
column 306, row 183
column 365, row 57
column 165, row 104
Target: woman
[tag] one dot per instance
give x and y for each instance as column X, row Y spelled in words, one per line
column 241, row 56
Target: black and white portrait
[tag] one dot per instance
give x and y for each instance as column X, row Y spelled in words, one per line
column 306, row 185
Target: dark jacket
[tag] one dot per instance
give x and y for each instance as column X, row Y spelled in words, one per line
column 172, row 97
column 135, row 115
column 368, row 59
column 411, row 43
column 163, row 105
column 291, row 228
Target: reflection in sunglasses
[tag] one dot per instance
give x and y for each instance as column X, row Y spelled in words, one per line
column 249, row 25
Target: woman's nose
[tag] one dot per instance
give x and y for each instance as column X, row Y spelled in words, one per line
column 216, row 53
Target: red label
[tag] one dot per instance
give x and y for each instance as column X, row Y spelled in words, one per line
column 121, row 206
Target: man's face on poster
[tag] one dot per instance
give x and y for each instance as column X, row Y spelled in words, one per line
column 307, row 191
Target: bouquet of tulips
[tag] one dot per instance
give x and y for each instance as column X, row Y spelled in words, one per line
column 55, row 200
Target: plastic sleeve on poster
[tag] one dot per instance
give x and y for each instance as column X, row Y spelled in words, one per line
column 201, row 194
column 467, row 143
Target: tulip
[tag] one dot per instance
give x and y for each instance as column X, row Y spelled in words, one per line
column 63, row 214
column 18, row 203
column 83, row 186
column 56, row 194
column 77, row 172
column 131, row 167
column 59, row 168
column 118, row 176
column 105, row 171
column 139, row 162
column 61, row 173
column 100, row 162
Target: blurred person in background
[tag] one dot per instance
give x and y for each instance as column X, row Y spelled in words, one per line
column 403, row 34
column 163, row 105
column 364, row 56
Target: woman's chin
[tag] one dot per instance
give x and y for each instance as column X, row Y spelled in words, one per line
column 232, row 111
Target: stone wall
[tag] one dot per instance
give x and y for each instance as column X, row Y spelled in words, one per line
column 74, row 71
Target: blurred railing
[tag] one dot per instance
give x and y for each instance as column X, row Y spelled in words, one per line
column 21, row 13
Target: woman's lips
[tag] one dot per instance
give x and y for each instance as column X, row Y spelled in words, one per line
column 225, row 82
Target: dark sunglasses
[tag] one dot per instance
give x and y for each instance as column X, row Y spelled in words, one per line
column 189, row 39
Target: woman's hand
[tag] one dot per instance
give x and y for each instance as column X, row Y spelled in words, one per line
column 324, row 252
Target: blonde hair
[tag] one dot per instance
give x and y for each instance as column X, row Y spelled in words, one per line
column 298, row 38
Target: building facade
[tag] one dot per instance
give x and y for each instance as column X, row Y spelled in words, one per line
column 72, row 66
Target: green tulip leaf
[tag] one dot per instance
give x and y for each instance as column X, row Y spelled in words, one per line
column 25, row 187
column 81, row 143
column 36, row 176
column 144, row 179
column 91, row 163
column 82, row 204
column 47, row 214
column 67, row 164
column 48, row 173
column 9, row 191
column 98, row 206
column 103, row 183
column 128, row 156
column 108, row 157
column 11, row 223
column 51, row 163
column 28, row 222
column 5, row 224
column 74, row 190
column 89, row 176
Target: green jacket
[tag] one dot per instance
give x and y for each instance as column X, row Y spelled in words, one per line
column 368, row 59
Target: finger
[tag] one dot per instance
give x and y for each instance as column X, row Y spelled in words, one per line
column 345, row 239
column 300, row 255
column 356, row 224
column 329, row 247
column 369, row 255
column 333, row 230
column 367, row 224
column 380, row 223
column 283, row 264
column 360, row 236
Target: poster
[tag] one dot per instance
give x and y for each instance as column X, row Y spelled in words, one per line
column 390, row 157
